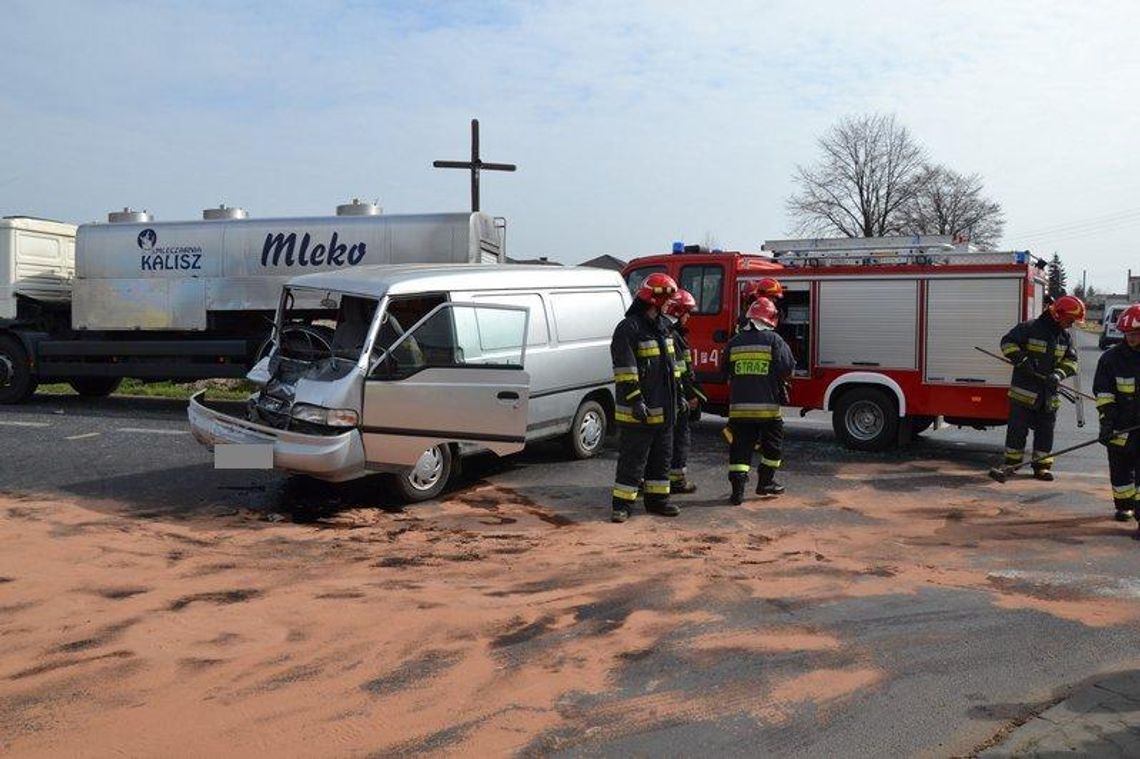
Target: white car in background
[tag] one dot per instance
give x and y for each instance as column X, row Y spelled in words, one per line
column 1111, row 335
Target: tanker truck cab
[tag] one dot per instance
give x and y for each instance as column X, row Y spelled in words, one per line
column 404, row 369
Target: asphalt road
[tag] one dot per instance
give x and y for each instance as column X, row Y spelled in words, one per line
column 959, row 666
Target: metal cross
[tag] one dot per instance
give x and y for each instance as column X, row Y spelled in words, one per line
column 475, row 164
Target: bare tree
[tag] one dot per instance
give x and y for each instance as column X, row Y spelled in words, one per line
column 863, row 181
column 949, row 203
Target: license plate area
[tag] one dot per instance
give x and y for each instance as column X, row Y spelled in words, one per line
column 243, row 456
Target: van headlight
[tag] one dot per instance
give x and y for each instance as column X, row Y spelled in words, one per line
column 330, row 417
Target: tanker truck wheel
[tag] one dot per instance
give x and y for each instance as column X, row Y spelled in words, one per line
column 95, row 387
column 17, row 383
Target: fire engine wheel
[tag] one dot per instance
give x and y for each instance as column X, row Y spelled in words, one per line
column 588, row 430
column 95, row 387
column 17, row 383
column 428, row 477
column 866, row 419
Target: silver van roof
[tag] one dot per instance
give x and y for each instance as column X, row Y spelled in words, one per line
column 377, row 281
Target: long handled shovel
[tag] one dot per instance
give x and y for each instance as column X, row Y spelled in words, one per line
column 1002, row 473
column 1066, row 392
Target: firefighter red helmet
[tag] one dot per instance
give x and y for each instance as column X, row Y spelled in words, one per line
column 1129, row 320
column 1067, row 309
column 764, row 311
column 657, row 289
column 680, row 304
column 767, row 287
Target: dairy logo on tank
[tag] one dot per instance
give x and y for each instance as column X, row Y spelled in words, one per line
column 167, row 258
column 284, row 249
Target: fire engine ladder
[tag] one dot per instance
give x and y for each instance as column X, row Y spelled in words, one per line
column 871, row 251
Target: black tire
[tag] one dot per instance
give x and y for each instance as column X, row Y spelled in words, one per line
column 866, row 419
column 95, row 387
column 427, row 479
column 1101, row 343
column 588, row 430
column 17, row 383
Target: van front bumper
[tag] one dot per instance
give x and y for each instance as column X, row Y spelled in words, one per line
column 334, row 458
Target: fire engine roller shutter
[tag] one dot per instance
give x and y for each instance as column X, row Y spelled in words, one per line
column 962, row 313
column 867, row 324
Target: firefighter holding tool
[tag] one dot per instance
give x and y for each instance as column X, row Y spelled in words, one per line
column 691, row 396
column 647, row 398
column 759, row 362
column 1042, row 353
column 762, row 288
column 1115, row 383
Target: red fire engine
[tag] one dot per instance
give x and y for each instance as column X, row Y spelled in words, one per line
column 883, row 329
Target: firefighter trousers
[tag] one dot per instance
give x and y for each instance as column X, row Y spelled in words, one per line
column 682, row 443
column 1021, row 421
column 744, row 433
column 1124, row 472
column 643, row 455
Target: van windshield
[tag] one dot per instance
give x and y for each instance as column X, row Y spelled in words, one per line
column 317, row 325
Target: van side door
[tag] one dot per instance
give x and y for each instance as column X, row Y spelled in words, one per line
column 455, row 376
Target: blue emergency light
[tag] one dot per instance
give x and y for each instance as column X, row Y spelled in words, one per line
column 678, row 246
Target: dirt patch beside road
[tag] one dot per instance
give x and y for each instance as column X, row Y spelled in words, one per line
column 484, row 624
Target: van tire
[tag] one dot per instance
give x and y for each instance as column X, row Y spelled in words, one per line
column 17, row 383
column 95, row 387
column 588, row 430
column 428, row 478
column 866, row 419
column 1102, row 343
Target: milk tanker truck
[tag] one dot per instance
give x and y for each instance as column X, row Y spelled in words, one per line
column 186, row 300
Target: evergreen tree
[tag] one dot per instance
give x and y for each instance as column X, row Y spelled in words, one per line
column 1057, row 277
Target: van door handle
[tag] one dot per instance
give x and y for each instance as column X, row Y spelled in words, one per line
column 508, row 395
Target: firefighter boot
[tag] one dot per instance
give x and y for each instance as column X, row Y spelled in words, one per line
column 661, row 506
column 772, row 488
column 1124, row 513
column 619, row 514
column 679, row 484
column 1043, row 473
column 738, row 482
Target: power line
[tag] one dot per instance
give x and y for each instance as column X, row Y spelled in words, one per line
column 1091, row 222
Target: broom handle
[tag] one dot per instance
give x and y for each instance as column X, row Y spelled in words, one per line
column 1070, row 449
column 1005, row 360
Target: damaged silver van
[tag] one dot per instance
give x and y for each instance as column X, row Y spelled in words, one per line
column 405, row 369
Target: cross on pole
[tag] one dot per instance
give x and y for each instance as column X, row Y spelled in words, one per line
column 475, row 165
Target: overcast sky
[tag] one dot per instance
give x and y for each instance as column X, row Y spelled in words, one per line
column 633, row 124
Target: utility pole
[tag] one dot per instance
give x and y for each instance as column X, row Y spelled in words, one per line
column 474, row 165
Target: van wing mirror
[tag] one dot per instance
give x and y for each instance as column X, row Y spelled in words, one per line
column 720, row 336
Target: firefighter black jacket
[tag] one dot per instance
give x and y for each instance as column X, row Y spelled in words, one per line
column 1115, row 385
column 759, row 361
column 1049, row 348
column 644, row 368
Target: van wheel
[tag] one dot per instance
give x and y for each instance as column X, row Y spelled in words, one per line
column 17, row 383
column 95, row 387
column 1101, row 343
column 428, row 477
column 588, row 431
column 866, row 419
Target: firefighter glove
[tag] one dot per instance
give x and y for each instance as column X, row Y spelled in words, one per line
column 1056, row 377
column 639, row 410
column 1107, row 429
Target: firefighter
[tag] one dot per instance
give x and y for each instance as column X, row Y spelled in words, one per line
column 1042, row 354
column 1115, row 383
column 762, row 288
column 646, row 395
column 677, row 311
column 759, row 362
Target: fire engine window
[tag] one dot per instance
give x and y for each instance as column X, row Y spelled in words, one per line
column 637, row 277
column 706, row 284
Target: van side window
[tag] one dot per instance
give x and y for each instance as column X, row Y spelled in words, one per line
column 637, row 277
column 585, row 315
column 457, row 335
column 538, row 332
column 706, row 284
